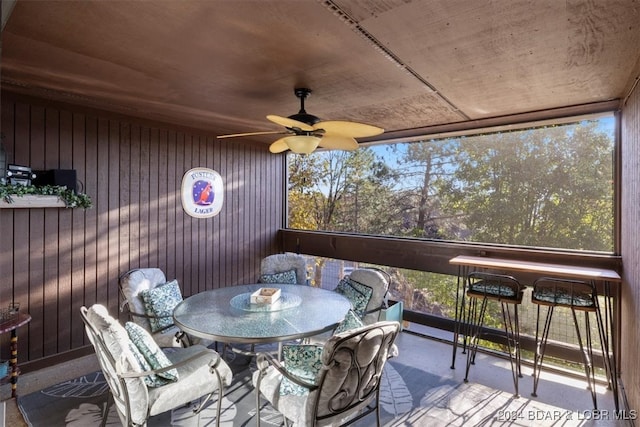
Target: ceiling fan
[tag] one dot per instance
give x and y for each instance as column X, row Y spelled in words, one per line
column 305, row 132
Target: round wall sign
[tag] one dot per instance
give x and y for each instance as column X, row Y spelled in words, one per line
column 202, row 194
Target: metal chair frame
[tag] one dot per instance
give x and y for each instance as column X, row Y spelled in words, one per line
column 570, row 288
column 118, row 385
column 181, row 338
column 370, row 396
column 293, row 261
column 384, row 304
column 476, row 311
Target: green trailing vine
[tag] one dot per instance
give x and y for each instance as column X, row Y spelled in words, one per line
column 70, row 198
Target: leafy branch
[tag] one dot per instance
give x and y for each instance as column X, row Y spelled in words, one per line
column 70, row 198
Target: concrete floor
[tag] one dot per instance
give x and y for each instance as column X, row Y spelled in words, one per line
column 495, row 372
column 555, row 390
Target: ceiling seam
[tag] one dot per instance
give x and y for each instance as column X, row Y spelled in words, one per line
column 377, row 45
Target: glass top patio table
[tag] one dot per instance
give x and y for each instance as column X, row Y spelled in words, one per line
column 226, row 315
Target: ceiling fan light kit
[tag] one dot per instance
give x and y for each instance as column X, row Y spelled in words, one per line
column 307, row 131
column 302, row 144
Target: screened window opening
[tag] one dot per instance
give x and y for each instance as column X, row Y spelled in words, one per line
column 550, row 186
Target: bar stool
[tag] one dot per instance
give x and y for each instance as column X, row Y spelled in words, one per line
column 482, row 287
column 577, row 296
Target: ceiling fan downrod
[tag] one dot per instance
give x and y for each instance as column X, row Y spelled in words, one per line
column 302, row 116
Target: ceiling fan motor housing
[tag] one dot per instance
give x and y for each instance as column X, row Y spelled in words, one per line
column 302, row 116
column 309, row 119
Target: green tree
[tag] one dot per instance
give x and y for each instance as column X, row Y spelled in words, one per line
column 543, row 187
column 337, row 191
column 301, row 197
column 345, row 190
column 424, row 166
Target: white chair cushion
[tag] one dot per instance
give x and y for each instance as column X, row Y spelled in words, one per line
column 293, row 407
column 196, row 380
column 167, row 337
column 137, row 281
column 284, row 262
column 117, row 341
column 376, row 281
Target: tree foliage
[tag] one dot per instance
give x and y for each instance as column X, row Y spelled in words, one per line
column 338, row 191
column 543, row 187
column 550, row 187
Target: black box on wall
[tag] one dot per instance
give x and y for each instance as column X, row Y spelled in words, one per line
column 63, row 177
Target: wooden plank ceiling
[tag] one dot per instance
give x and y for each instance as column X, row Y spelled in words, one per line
column 223, row 65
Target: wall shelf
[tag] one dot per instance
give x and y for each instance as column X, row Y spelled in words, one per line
column 33, row 201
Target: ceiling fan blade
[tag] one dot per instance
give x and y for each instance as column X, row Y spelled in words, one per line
column 234, row 135
column 338, row 142
column 279, row 146
column 290, row 123
column 353, row 129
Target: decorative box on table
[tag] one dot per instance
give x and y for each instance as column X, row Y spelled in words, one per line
column 265, row 296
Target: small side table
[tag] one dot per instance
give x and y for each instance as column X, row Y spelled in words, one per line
column 12, row 325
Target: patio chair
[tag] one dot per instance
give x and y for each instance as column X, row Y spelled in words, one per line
column 143, row 380
column 578, row 296
column 158, row 319
column 287, row 268
column 333, row 384
column 367, row 288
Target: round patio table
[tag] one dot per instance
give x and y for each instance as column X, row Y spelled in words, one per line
column 226, row 314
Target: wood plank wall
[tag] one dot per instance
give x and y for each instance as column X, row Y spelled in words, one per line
column 53, row 261
column 630, row 242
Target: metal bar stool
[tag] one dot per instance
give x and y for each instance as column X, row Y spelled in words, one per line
column 577, row 296
column 482, row 287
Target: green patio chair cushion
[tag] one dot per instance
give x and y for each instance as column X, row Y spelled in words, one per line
column 152, row 356
column 351, row 321
column 492, row 288
column 303, row 361
column 357, row 293
column 285, row 277
column 159, row 302
column 563, row 297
